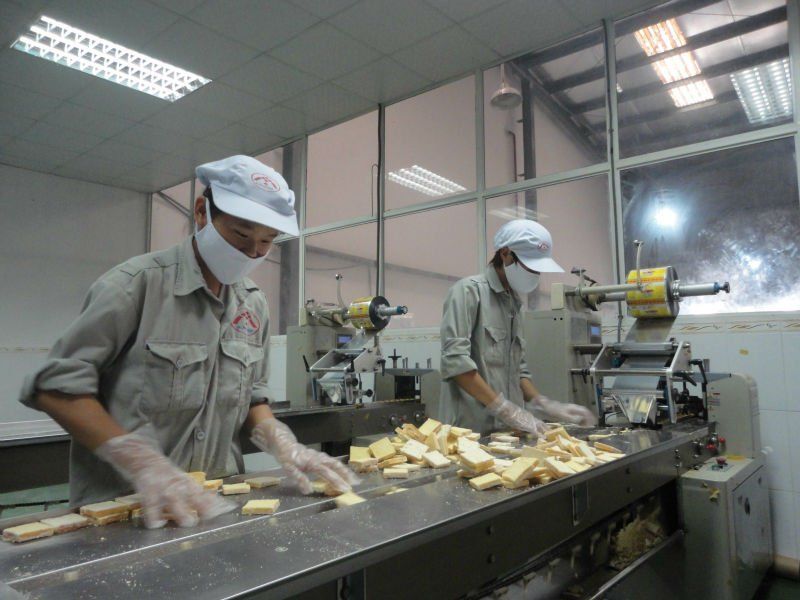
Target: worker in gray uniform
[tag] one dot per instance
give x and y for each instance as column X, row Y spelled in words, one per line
column 485, row 379
column 167, row 361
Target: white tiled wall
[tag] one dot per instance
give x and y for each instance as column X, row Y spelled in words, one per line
column 767, row 347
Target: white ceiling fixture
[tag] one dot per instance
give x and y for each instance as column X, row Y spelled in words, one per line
column 691, row 93
column 425, row 182
column 77, row 49
column 765, row 91
column 663, row 37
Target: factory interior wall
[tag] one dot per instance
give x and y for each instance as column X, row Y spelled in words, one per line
column 65, row 234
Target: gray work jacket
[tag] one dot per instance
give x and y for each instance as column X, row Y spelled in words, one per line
column 167, row 359
column 481, row 330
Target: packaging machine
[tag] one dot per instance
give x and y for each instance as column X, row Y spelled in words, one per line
column 333, row 362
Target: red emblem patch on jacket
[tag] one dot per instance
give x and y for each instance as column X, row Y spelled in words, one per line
column 246, row 323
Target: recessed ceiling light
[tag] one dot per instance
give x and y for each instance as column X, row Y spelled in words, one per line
column 765, row 91
column 691, row 93
column 424, row 181
column 71, row 47
column 666, row 36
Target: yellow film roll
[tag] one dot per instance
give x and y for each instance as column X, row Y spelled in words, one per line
column 654, row 300
column 359, row 313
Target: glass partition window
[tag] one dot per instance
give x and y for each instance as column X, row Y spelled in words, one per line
column 342, row 172
column 168, row 225
column 577, row 216
column 727, row 216
column 430, row 145
column 181, row 193
column 273, row 158
column 699, row 75
column 278, row 277
column 351, row 252
column 535, row 120
column 422, row 263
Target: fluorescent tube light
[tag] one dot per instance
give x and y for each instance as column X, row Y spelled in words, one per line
column 424, row 181
column 691, row 93
column 676, row 68
column 666, row 36
column 71, row 47
column 660, row 37
column 765, row 91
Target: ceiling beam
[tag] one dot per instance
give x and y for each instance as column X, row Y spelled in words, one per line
column 724, row 68
column 629, row 25
column 695, row 42
column 558, row 106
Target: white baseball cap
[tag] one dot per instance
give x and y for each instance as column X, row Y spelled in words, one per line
column 248, row 189
column 531, row 242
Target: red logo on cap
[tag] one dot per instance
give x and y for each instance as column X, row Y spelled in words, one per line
column 543, row 246
column 265, row 183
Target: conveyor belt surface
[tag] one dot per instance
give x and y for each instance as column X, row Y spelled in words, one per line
column 307, row 543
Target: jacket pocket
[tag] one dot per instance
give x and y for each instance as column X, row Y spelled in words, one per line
column 176, row 375
column 495, row 353
column 237, row 371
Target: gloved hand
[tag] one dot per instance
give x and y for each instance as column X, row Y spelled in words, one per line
column 272, row 436
column 515, row 416
column 166, row 491
column 569, row 413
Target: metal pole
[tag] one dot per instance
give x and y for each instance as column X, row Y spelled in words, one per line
column 192, row 182
column 793, row 24
column 301, row 266
column 528, row 145
column 612, row 116
column 287, row 293
column 480, row 168
column 148, row 233
column 381, row 251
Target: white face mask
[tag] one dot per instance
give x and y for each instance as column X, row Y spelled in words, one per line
column 521, row 281
column 228, row 264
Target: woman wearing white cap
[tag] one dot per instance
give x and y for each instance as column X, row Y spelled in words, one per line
column 485, row 378
column 167, row 361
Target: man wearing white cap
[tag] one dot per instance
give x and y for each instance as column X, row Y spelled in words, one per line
column 485, row 379
column 167, row 361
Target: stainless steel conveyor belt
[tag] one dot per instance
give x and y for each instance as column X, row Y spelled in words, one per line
column 309, row 544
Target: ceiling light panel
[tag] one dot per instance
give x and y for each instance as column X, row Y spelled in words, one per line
column 660, row 37
column 765, row 91
column 425, row 181
column 691, row 93
column 663, row 37
column 71, row 47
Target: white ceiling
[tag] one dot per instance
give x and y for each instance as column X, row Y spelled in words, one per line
column 280, row 68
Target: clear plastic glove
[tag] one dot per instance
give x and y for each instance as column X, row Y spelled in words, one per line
column 515, row 416
column 166, row 491
column 272, row 436
column 566, row 413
